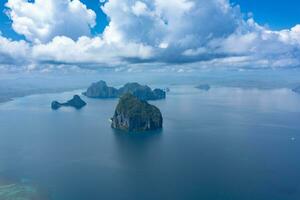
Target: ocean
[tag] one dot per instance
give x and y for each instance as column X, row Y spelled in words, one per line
column 223, row 144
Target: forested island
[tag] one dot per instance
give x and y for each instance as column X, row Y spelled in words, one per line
column 75, row 102
column 101, row 90
column 133, row 114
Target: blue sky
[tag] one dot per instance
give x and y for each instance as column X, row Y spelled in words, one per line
column 155, row 35
column 276, row 14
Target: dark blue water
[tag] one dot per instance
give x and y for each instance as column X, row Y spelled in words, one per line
column 224, row 144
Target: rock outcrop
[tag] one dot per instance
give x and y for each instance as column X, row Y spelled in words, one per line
column 133, row 114
column 143, row 92
column 75, row 102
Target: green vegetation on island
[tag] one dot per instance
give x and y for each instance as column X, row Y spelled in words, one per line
column 75, row 102
column 143, row 92
column 133, row 114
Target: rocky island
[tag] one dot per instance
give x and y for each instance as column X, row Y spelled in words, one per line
column 75, row 102
column 133, row 114
column 101, row 90
column 143, row 92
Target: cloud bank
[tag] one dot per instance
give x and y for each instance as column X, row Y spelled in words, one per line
column 190, row 34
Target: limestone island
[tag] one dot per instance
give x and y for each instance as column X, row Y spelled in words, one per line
column 135, row 115
column 204, row 87
column 75, row 102
column 143, row 92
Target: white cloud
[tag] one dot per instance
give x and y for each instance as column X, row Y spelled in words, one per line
column 180, row 23
column 180, row 33
column 277, row 48
column 291, row 36
column 13, row 52
column 139, row 8
column 44, row 19
column 89, row 50
column 195, row 52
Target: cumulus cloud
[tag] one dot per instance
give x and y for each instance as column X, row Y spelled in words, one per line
column 13, row 52
column 179, row 23
column 291, row 36
column 42, row 20
column 189, row 33
column 89, row 50
column 183, row 31
column 276, row 48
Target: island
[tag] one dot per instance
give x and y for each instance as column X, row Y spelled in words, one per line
column 101, row 90
column 167, row 89
column 75, row 102
column 143, row 92
column 205, row 87
column 135, row 115
column 296, row 90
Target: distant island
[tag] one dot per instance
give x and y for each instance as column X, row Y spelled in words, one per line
column 296, row 90
column 133, row 114
column 75, row 102
column 205, row 87
column 143, row 92
column 5, row 99
column 167, row 90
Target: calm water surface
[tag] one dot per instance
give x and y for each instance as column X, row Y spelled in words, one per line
column 224, row 144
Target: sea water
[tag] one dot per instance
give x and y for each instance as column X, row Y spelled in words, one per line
column 222, row 144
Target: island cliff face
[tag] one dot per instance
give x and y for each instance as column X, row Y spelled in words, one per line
column 143, row 92
column 133, row 114
column 75, row 102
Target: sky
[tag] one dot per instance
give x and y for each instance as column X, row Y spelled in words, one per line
column 155, row 35
column 277, row 14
